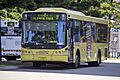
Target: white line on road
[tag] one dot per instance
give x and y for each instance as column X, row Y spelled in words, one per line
column 14, row 75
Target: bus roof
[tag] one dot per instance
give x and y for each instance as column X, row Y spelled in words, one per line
column 57, row 10
column 72, row 14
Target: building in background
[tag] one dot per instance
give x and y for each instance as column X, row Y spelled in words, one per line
column 114, row 42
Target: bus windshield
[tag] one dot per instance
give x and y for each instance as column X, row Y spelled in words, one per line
column 44, row 32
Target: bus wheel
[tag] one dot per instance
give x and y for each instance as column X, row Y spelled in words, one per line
column 98, row 62
column 77, row 62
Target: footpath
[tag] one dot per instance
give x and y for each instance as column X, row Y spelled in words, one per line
column 112, row 60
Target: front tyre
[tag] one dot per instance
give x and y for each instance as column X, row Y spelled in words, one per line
column 76, row 64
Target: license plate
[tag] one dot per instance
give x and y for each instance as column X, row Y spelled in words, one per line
column 10, row 54
column 42, row 58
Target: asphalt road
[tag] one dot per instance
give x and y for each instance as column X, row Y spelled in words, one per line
column 105, row 69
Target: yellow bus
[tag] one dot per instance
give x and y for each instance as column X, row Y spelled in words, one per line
column 58, row 35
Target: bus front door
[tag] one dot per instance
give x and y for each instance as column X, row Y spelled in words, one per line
column 71, row 43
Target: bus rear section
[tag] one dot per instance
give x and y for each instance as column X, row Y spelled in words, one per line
column 11, row 47
column 10, row 39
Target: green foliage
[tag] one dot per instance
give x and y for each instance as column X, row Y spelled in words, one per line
column 11, row 13
column 14, row 15
column 94, row 11
column 1, row 17
column 106, row 9
column 3, row 13
column 12, row 9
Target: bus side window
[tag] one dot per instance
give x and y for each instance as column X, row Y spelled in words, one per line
column 77, row 31
column 83, row 32
column 101, row 33
column 93, row 33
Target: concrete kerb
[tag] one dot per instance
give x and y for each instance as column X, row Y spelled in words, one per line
column 112, row 60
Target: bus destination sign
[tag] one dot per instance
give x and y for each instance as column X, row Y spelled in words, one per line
column 45, row 16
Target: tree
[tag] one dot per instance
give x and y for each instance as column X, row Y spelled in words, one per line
column 106, row 10
column 97, row 8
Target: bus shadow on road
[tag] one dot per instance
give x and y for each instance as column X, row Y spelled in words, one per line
column 53, row 67
column 105, row 69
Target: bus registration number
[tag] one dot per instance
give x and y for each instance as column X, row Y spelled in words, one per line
column 42, row 58
column 10, row 54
